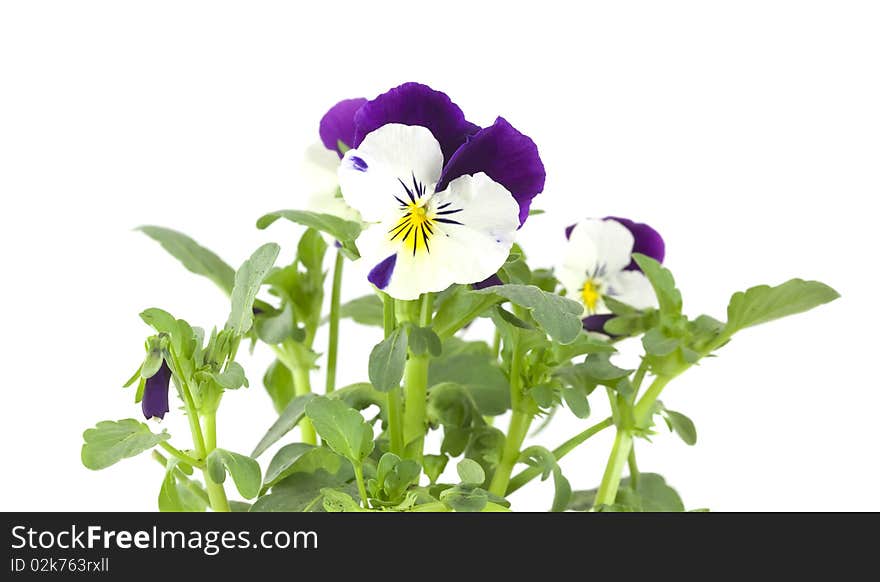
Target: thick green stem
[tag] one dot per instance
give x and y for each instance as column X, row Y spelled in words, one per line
column 415, row 381
column 623, row 442
column 216, row 493
column 302, row 385
column 611, row 478
column 516, row 434
column 395, row 401
column 559, row 452
column 333, row 341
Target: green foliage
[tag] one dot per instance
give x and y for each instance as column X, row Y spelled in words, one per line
column 110, row 442
column 341, row 230
column 558, row 316
column 245, row 471
column 393, row 477
column 342, row 428
column 472, row 366
column 387, row 361
column 681, row 425
column 179, row 493
column 366, row 310
column 300, row 486
column 651, row 494
column 193, row 256
column 248, row 280
column 763, row 303
column 543, row 459
column 278, row 382
column 288, row 419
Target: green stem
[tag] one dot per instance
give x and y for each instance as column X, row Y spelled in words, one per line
column 520, row 419
column 634, row 474
column 528, row 474
column 333, row 341
column 496, row 345
column 294, row 356
column 359, row 476
column 395, row 401
column 216, row 493
column 623, row 442
column 181, row 456
column 607, row 493
column 191, row 411
column 415, row 382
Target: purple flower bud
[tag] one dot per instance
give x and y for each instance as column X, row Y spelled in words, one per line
column 154, row 402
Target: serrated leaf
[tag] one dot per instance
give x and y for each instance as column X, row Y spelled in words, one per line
column 110, row 442
column 558, row 316
column 245, row 471
column 342, row 428
column 764, row 303
column 288, row 419
column 387, row 361
column 196, row 258
column 543, row 459
column 340, row 229
column 248, row 280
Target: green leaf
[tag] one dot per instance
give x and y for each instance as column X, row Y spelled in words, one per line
column 663, row 283
column 682, row 425
column 342, row 428
column 278, row 382
column 387, row 361
column 543, row 459
column 657, row 343
column 465, row 499
column 274, row 328
column 434, row 466
column 286, row 457
column 584, row 344
column 311, row 250
column 232, row 378
column 653, row 494
column 558, row 316
column 450, row 404
column 576, row 400
column 596, row 369
column 180, row 494
column 110, row 442
column 336, row 501
column 470, row 472
column 763, row 303
column 459, row 307
column 366, row 310
column 248, row 280
column 245, row 471
column 301, row 490
column 197, row 259
column 340, row 229
column 473, row 366
column 423, row 340
column 285, row 423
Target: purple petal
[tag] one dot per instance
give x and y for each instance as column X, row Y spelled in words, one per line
column 154, row 402
column 491, row 281
column 505, row 155
column 647, row 241
column 380, row 275
column 337, row 125
column 597, row 322
column 416, row 104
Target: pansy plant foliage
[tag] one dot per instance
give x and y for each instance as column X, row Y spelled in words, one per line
column 427, row 205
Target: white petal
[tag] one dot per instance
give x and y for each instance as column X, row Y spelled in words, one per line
column 319, row 169
column 612, row 243
column 632, row 288
column 467, row 252
column 387, row 162
column 579, row 261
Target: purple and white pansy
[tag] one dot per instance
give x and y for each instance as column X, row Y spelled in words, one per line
column 442, row 198
column 597, row 263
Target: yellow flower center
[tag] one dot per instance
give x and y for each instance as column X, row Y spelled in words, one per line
column 591, row 295
column 414, row 229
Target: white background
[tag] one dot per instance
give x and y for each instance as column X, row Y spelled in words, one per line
column 748, row 133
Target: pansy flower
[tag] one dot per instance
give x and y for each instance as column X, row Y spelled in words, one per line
column 598, row 263
column 442, row 197
column 321, row 163
column 154, row 402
